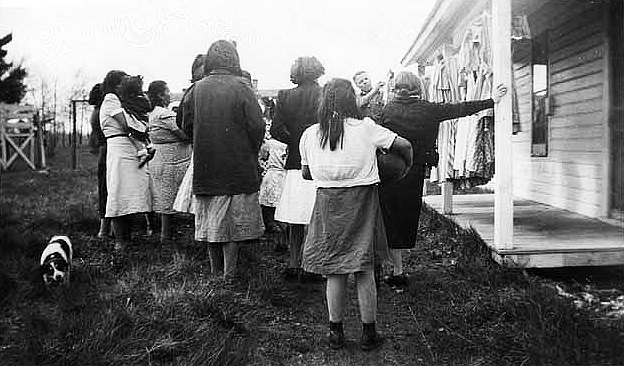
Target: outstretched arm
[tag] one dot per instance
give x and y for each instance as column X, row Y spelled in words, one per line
column 445, row 111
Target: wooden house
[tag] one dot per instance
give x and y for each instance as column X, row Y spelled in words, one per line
column 558, row 189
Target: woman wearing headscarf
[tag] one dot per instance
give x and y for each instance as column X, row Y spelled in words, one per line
column 227, row 131
column 418, row 120
column 174, row 153
column 127, row 183
column 295, row 110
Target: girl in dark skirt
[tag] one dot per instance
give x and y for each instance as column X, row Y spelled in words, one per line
column 418, row 120
column 346, row 233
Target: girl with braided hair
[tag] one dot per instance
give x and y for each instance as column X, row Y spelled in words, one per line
column 346, row 233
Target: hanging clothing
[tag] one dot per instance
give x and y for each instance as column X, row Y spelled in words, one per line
column 445, row 89
column 473, row 139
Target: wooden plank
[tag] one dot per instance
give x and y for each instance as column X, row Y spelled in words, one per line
column 503, row 196
column 578, row 83
column 605, row 202
column 589, row 68
column 19, row 151
column 568, row 30
column 3, row 157
column 556, row 13
column 588, row 184
column 580, row 58
column 576, row 144
column 583, row 208
column 576, row 121
column 522, row 138
column 576, row 48
column 554, row 260
column 558, row 192
column 576, row 157
column 582, row 107
column 523, row 84
column 523, row 73
column 565, row 169
column 522, row 64
column 447, row 197
column 591, row 92
column 582, row 31
column 592, row 131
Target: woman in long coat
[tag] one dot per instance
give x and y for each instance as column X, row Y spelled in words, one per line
column 418, row 121
column 227, row 131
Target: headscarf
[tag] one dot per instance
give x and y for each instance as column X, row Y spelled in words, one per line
column 222, row 55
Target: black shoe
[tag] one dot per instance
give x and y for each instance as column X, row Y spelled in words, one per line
column 399, row 281
column 336, row 336
column 370, row 338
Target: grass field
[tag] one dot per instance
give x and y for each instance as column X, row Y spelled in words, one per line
column 158, row 305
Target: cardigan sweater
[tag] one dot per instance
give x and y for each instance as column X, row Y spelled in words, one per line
column 227, row 130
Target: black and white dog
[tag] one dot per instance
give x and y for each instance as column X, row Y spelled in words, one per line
column 56, row 261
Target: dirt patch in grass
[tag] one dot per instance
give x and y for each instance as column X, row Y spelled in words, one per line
column 158, row 305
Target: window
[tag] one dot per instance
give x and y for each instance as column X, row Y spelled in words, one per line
column 539, row 64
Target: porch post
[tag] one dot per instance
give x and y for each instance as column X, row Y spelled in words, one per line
column 503, row 191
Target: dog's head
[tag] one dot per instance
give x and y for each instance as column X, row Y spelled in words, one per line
column 55, row 261
column 55, row 270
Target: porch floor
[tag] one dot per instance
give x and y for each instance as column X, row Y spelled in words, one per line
column 544, row 236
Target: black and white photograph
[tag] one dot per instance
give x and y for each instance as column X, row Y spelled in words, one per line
column 313, row 183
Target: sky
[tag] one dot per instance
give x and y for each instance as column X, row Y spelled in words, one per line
column 72, row 41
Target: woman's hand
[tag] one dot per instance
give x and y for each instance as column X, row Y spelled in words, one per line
column 500, row 91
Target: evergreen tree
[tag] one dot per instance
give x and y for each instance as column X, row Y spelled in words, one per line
column 12, row 87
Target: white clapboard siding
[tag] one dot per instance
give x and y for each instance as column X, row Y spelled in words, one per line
column 577, row 121
column 570, row 177
column 592, row 132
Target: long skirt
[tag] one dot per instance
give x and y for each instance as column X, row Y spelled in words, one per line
column 346, row 233
column 101, row 174
column 400, row 204
column 167, row 170
column 297, row 199
column 128, row 187
column 221, row 219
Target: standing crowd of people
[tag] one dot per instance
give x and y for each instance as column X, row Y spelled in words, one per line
column 307, row 164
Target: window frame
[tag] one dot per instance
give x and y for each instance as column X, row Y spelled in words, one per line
column 540, row 150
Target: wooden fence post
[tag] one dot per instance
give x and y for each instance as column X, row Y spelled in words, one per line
column 73, row 139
